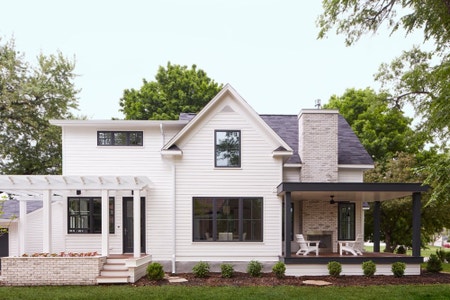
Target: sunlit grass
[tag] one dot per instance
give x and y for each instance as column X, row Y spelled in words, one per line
column 439, row 291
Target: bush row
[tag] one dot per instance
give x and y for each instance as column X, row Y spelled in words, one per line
column 254, row 268
column 369, row 268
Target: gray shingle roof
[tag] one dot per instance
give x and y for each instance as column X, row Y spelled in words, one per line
column 350, row 149
column 286, row 126
column 11, row 208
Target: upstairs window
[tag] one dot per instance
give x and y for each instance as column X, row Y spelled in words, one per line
column 119, row 138
column 228, row 148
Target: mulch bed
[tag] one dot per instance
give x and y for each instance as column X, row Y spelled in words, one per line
column 269, row 279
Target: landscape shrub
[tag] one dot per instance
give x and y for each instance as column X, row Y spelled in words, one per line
column 227, row 270
column 201, row 269
column 369, row 268
column 155, row 271
column 279, row 269
column 334, row 268
column 398, row 269
column 434, row 264
column 254, row 268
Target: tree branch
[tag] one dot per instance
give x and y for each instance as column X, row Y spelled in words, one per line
column 400, row 97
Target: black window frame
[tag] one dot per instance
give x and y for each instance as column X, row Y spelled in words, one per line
column 217, row 149
column 92, row 216
column 131, row 138
column 238, row 233
column 346, row 221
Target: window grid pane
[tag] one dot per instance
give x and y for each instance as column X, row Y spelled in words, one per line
column 119, row 138
column 227, row 219
column 228, row 148
column 84, row 215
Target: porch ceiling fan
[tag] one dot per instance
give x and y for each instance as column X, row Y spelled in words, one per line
column 332, row 201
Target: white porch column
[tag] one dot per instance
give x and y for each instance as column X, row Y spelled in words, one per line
column 137, row 223
column 47, row 220
column 22, row 225
column 105, row 222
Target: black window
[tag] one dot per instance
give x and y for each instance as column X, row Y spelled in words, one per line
column 228, row 148
column 346, row 221
column 85, row 215
column 228, row 219
column 119, row 138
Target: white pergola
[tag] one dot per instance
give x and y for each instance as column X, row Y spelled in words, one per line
column 54, row 187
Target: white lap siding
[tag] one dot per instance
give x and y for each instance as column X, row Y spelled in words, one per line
column 258, row 176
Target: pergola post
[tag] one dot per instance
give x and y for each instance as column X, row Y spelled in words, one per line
column 287, row 224
column 376, row 226
column 137, row 223
column 105, row 222
column 47, row 222
column 22, row 225
column 416, row 198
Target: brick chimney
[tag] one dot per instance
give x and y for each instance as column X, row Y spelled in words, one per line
column 318, row 145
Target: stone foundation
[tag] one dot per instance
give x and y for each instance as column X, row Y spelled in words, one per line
column 28, row 271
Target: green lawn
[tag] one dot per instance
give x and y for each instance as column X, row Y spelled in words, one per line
column 128, row 292
column 217, row 293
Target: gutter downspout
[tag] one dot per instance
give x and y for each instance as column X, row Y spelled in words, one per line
column 174, row 204
column 174, row 217
column 163, row 136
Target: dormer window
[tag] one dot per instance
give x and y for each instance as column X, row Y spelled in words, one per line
column 119, row 138
column 228, row 148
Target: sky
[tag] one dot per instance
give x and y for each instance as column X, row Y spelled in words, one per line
column 267, row 50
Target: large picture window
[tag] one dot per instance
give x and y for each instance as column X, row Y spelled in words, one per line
column 85, row 215
column 228, row 148
column 119, row 138
column 346, row 221
column 228, row 219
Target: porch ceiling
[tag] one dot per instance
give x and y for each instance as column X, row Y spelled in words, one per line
column 35, row 184
column 349, row 191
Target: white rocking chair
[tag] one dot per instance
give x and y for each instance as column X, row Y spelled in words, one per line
column 354, row 247
column 306, row 247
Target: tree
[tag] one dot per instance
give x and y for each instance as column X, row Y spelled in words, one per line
column 176, row 89
column 383, row 131
column 419, row 77
column 29, row 98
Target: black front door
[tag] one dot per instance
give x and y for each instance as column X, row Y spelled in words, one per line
column 4, row 246
column 128, row 221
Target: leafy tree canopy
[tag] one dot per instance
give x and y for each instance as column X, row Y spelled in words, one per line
column 417, row 76
column 383, row 131
column 176, row 89
column 29, row 97
column 355, row 18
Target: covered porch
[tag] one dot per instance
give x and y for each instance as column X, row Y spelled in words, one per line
column 323, row 195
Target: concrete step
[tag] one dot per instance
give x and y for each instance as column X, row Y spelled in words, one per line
column 114, row 273
column 110, row 260
column 115, row 267
column 108, row 279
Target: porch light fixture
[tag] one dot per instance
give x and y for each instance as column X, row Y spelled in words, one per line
column 78, row 192
column 332, row 199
